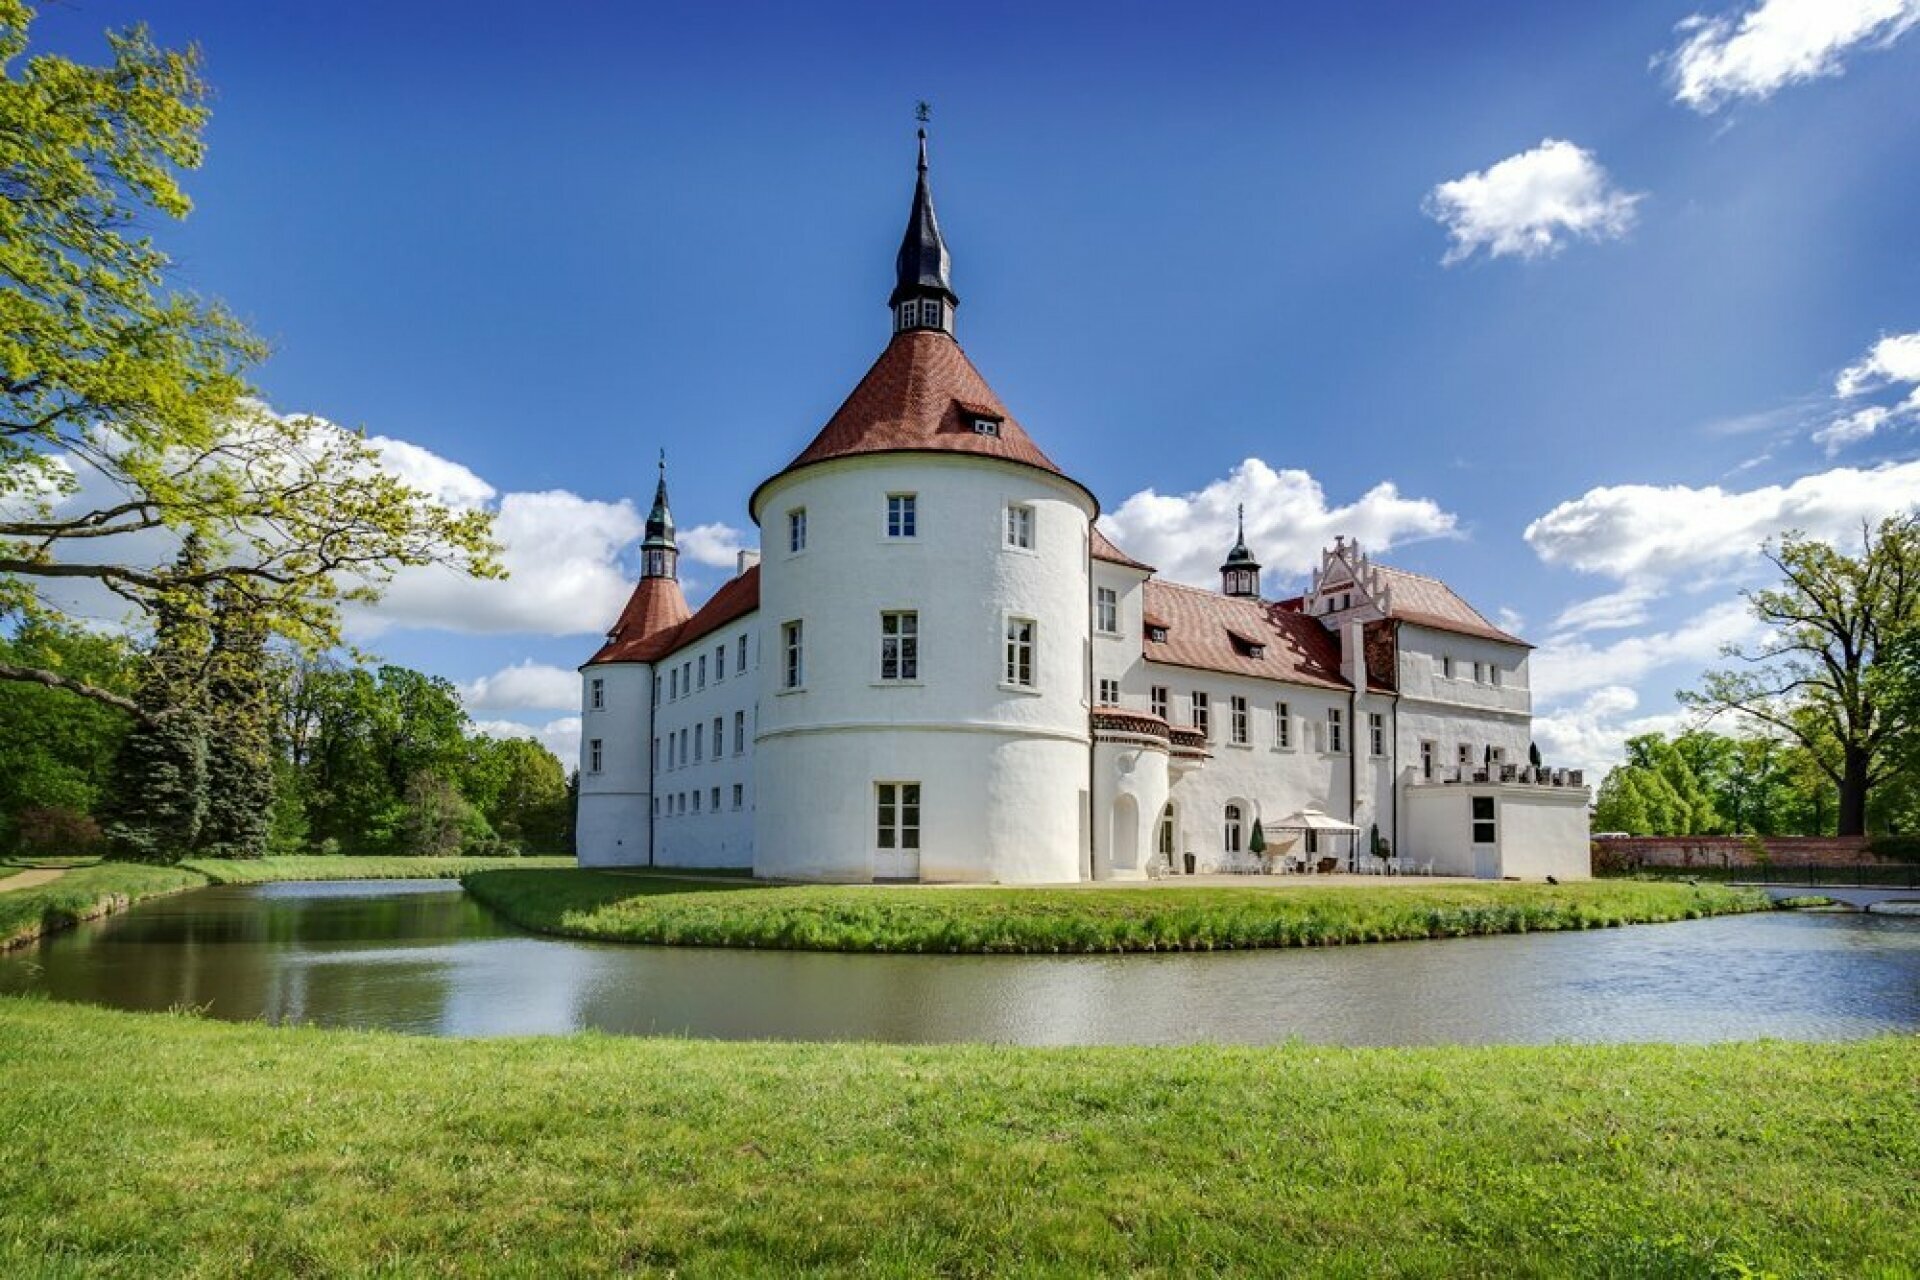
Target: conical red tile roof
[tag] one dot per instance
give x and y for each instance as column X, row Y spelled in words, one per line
column 656, row 609
column 921, row 396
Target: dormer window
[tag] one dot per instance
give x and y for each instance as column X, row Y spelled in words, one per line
column 1157, row 634
column 986, row 427
column 930, row 313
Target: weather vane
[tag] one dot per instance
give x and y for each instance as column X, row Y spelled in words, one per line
column 923, row 111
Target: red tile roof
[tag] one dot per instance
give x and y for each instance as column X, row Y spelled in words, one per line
column 1429, row 602
column 656, row 606
column 733, row 601
column 921, row 396
column 1103, row 549
column 1201, row 626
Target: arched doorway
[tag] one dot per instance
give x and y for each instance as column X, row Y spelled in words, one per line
column 1233, row 834
column 1164, row 840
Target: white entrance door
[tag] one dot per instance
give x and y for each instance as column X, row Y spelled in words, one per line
column 897, row 831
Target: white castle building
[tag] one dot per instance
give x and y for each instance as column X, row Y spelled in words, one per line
column 939, row 669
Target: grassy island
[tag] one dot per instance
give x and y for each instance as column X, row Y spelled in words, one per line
column 658, row 908
column 88, row 888
column 167, row 1145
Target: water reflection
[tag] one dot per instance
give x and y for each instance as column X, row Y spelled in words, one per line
column 423, row 957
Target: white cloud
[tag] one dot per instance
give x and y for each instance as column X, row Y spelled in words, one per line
column 562, row 736
column 1853, row 428
column 1614, row 611
column 1656, row 533
column 449, row 483
column 1511, row 621
column 1890, row 360
column 1592, row 734
column 1566, row 666
column 715, row 545
column 561, row 552
column 525, row 686
column 1186, row 536
column 1776, row 43
column 1530, row 205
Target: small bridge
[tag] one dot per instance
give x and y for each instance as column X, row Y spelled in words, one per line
column 1861, row 897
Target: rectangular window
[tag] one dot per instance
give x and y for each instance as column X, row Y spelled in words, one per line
column 1463, row 754
column 1336, row 730
column 1237, row 719
column 1479, row 673
column 796, row 530
column 1446, row 668
column 673, row 685
column 902, row 518
column 594, row 756
column 792, row 644
column 670, row 755
column 699, row 737
column 1019, row 667
column 715, row 800
column 900, row 646
column 1283, row 726
column 740, row 658
column 1498, row 756
column 739, row 732
column 597, row 694
column 739, row 795
column 1020, row 526
column 1493, row 675
column 1109, row 693
column 899, row 815
column 1157, row 700
column 703, row 671
column 656, row 755
column 656, row 806
column 720, row 663
column 1203, row 714
column 696, row 802
column 1483, row 828
column 1106, row 611
column 656, row 691
column 686, row 677
column 986, row 426
column 1376, row 733
column 683, row 748
column 719, row 737
column 1428, row 752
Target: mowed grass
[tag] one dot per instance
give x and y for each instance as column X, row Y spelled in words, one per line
column 169, row 1145
column 628, row 907
column 90, row 887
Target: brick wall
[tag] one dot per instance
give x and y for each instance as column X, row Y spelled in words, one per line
column 1731, row 851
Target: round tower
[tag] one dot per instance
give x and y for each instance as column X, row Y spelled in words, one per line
column 924, row 623
column 614, row 821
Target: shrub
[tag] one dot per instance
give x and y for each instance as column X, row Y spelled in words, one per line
column 51, row 829
column 1895, row 848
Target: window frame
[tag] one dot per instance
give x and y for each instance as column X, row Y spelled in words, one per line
column 1336, row 731
column 900, row 645
column 892, row 802
column 1107, row 686
column 1487, row 826
column 596, row 755
column 1283, row 726
column 597, row 694
column 793, row 655
column 1200, row 712
column 796, row 531
column 1376, row 734
column 1159, row 700
column 1232, row 828
column 1238, row 721
column 902, row 523
column 1106, row 611
column 1020, row 653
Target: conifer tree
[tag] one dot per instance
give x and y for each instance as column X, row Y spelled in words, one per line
column 240, row 759
column 160, row 774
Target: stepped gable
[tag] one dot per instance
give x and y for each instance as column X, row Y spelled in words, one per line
column 734, row 600
column 921, row 396
column 1104, row 549
column 1429, row 602
column 1211, row 632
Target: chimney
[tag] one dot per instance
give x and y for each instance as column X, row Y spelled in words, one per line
column 746, row 560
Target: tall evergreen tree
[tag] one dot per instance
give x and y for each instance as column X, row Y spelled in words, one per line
column 240, row 776
column 159, row 791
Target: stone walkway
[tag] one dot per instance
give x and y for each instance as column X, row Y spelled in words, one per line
column 32, row 879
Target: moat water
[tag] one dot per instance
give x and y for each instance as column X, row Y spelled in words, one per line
column 422, row 957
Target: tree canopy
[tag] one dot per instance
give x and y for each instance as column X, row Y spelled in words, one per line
column 127, row 421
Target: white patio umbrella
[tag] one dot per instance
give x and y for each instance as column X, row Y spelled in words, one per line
column 1316, row 820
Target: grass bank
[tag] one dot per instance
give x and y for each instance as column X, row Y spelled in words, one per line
column 625, row 907
column 92, row 888
column 156, row 1144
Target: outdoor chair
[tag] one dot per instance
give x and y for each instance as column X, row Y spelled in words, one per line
column 1326, row 866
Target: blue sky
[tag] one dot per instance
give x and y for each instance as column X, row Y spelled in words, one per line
column 1551, row 301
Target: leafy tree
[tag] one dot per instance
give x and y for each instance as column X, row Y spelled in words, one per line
column 521, row 788
column 125, row 408
column 57, row 751
column 1818, row 677
column 439, row 822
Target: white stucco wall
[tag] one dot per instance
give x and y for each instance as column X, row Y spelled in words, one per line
column 684, row 837
column 1539, row 831
column 1003, row 772
column 611, row 823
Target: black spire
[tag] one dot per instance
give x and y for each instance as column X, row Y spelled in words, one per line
column 1240, row 575
column 659, row 553
column 923, row 296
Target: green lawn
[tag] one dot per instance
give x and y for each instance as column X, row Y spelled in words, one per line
column 93, row 888
column 158, row 1144
column 627, row 907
